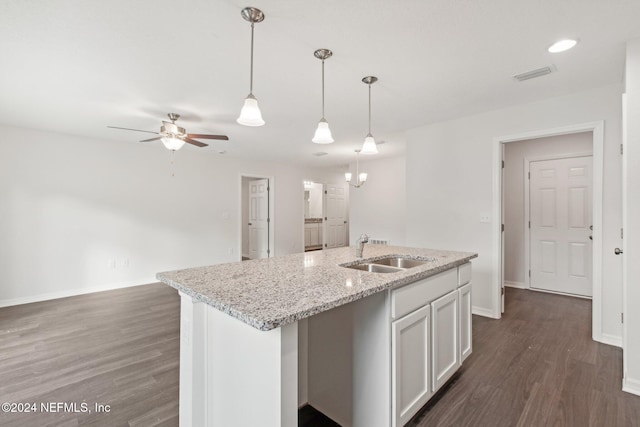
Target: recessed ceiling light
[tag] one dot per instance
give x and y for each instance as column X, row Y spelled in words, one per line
column 562, row 45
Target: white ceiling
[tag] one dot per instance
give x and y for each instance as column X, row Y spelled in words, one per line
column 76, row 66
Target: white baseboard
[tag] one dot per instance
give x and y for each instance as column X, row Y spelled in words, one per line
column 518, row 285
column 73, row 292
column 484, row 312
column 631, row 386
column 610, row 340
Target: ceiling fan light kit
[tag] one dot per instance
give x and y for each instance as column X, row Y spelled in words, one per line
column 250, row 114
column 323, row 133
column 172, row 143
column 173, row 136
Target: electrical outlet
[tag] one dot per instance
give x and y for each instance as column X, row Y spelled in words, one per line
column 485, row 218
column 111, row 263
column 125, row 263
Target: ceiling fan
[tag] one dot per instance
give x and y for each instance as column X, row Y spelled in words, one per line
column 173, row 136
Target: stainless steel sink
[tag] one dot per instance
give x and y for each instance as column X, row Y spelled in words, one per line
column 374, row 268
column 399, row 262
column 390, row 264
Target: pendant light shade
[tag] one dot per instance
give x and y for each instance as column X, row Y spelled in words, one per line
column 250, row 114
column 172, row 143
column 369, row 146
column 323, row 133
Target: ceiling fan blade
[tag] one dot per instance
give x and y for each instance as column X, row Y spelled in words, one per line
column 152, row 139
column 204, row 136
column 137, row 130
column 194, row 142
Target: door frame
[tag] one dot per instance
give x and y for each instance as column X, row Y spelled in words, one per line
column 323, row 207
column 272, row 217
column 527, row 230
column 597, row 128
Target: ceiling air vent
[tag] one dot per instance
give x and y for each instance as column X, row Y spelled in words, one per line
column 539, row 72
column 320, row 153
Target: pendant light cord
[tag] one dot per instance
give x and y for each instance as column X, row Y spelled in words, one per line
column 323, row 88
column 369, row 108
column 251, row 73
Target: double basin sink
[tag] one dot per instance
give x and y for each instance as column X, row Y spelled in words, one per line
column 391, row 264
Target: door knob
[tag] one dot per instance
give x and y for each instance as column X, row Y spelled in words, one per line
column 590, row 237
column 617, row 251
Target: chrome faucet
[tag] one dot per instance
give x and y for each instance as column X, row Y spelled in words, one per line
column 360, row 244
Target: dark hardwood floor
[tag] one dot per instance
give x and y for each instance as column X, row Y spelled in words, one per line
column 117, row 348
column 535, row 367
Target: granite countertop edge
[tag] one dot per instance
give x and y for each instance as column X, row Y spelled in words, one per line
column 268, row 323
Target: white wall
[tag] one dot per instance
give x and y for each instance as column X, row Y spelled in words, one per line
column 450, row 185
column 631, row 247
column 514, row 183
column 378, row 208
column 70, row 205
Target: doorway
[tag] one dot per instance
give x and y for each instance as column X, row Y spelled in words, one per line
column 325, row 216
column 313, row 216
column 257, row 217
column 504, row 229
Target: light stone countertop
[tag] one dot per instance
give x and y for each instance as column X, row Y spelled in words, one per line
column 269, row 293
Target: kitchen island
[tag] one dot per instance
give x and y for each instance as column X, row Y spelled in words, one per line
column 239, row 348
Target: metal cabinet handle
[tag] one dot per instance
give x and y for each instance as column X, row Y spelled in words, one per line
column 617, row 251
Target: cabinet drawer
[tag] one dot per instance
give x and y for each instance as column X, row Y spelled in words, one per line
column 464, row 274
column 414, row 295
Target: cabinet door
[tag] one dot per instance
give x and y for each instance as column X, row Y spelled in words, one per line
column 410, row 357
column 464, row 299
column 307, row 235
column 444, row 338
column 315, row 235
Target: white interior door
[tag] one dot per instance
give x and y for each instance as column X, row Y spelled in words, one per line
column 560, row 192
column 259, row 218
column 335, row 220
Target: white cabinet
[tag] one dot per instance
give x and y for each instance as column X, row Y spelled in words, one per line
column 444, row 338
column 377, row 361
column 430, row 337
column 464, row 299
column 410, row 361
column 312, row 235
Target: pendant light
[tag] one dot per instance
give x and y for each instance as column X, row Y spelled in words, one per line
column 323, row 133
column 361, row 177
column 369, row 145
column 250, row 114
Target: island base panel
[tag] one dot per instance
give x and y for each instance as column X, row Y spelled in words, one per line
column 227, row 365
